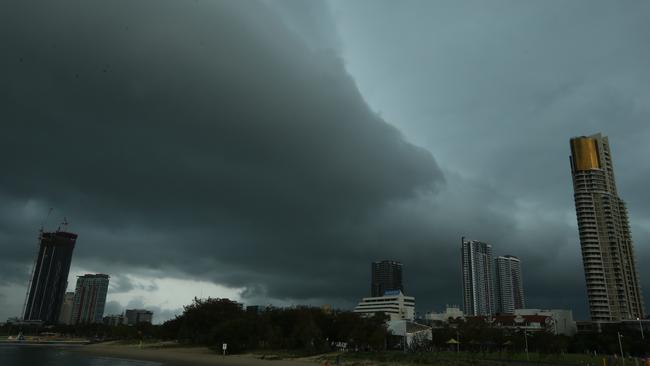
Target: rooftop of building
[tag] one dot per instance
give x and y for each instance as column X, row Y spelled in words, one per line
column 94, row 275
column 63, row 234
column 508, row 256
column 508, row 319
column 388, row 296
column 388, row 261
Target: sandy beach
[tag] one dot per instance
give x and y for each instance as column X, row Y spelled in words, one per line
column 181, row 356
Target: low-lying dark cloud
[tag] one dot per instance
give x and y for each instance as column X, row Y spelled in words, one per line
column 206, row 138
column 230, row 142
column 121, row 283
column 495, row 90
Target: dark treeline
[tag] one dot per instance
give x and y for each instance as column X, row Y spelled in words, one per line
column 212, row 322
column 96, row 331
column 308, row 330
column 478, row 336
column 312, row 330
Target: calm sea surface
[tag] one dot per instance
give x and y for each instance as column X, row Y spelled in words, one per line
column 55, row 356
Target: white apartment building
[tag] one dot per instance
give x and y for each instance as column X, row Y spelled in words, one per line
column 562, row 319
column 394, row 304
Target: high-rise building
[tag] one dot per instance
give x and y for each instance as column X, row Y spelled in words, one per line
column 65, row 317
column 478, row 288
column 386, row 276
column 90, row 298
column 612, row 280
column 49, row 276
column 135, row 316
column 509, row 288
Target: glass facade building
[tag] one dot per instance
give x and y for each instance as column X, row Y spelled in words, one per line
column 386, row 276
column 477, row 269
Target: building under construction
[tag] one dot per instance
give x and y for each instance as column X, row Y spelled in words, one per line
column 49, row 279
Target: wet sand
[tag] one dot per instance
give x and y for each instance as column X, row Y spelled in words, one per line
column 191, row 356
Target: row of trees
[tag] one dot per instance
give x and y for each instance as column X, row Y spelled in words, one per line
column 478, row 336
column 215, row 321
column 89, row 331
column 475, row 335
column 212, row 322
column 311, row 330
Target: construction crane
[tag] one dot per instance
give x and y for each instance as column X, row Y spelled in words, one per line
column 31, row 275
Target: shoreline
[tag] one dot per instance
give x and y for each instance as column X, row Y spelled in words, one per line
column 182, row 356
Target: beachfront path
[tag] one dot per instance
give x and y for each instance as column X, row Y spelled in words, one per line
column 194, row 356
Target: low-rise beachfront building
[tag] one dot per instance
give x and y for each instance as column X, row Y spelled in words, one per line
column 136, row 316
column 451, row 313
column 415, row 334
column 115, row 320
column 394, row 304
column 562, row 319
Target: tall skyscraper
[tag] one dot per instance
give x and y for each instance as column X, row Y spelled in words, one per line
column 612, row 281
column 386, row 276
column 478, row 288
column 65, row 317
column 90, row 298
column 509, row 287
column 49, row 276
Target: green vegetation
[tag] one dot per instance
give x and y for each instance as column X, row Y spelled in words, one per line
column 463, row 358
column 303, row 331
column 134, row 334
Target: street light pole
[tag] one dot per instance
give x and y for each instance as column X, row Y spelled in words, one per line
column 526, row 342
column 620, row 344
column 641, row 327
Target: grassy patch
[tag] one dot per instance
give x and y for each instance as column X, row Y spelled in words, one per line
column 463, row 358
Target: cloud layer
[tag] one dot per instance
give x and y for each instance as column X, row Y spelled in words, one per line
column 208, row 139
column 238, row 143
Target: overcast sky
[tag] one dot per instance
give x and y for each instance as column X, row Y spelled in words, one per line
column 269, row 151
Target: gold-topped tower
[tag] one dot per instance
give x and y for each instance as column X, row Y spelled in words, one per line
column 613, row 286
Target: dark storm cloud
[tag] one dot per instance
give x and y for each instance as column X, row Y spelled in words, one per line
column 226, row 140
column 208, row 139
column 159, row 314
column 495, row 90
column 120, row 283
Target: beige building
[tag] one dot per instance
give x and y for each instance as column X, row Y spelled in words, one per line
column 561, row 319
column 65, row 316
column 451, row 313
column 612, row 280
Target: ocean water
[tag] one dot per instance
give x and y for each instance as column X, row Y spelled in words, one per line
column 58, row 356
